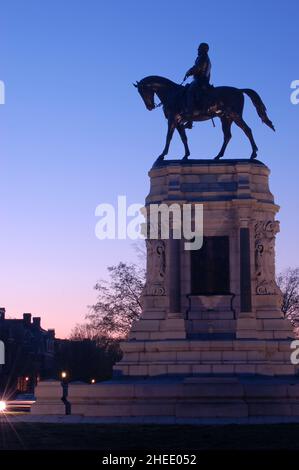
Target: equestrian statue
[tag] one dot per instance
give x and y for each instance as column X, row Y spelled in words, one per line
column 200, row 101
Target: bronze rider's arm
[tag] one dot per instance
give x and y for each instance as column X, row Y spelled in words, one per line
column 190, row 72
column 199, row 67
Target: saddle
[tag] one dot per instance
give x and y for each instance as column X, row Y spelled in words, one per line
column 202, row 97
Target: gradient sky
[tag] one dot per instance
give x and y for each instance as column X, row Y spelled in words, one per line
column 74, row 133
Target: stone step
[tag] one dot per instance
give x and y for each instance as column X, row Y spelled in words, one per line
column 211, row 326
column 229, row 356
column 207, row 345
column 182, row 399
column 235, row 356
column 185, row 368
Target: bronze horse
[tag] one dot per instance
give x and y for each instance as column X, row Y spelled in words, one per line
column 224, row 102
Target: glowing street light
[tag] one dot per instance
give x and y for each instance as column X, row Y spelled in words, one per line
column 93, row 381
column 27, row 379
column 2, row 406
column 63, row 375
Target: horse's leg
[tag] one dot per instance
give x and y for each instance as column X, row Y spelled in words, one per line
column 226, row 126
column 171, row 127
column 182, row 132
column 246, row 129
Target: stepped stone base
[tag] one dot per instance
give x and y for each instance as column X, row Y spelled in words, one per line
column 180, row 398
column 215, row 356
column 170, row 399
column 264, row 325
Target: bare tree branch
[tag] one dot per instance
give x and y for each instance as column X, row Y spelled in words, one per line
column 288, row 281
column 118, row 304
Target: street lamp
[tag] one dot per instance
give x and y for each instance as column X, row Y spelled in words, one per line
column 93, row 381
column 65, row 389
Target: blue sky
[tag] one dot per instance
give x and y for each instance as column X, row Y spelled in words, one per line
column 74, row 133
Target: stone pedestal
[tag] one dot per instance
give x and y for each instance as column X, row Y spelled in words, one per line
column 211, row 341
column 217, row 309
column 48, row 396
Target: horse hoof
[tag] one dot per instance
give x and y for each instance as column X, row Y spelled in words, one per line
column 217, row 158
column 253, row 156
column 159, row 159
column 185, row 157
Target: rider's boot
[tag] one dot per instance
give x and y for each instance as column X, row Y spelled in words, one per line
column 186, row 114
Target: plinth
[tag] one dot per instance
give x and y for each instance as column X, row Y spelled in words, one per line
column 211, row 342
column 216, row 309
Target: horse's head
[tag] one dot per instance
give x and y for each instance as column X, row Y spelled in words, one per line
column 147, row 93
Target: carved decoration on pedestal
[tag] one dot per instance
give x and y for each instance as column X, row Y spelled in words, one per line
column 156, row 267
column 265, row 232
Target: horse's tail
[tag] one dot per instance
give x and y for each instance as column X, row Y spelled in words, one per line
column 259, row 106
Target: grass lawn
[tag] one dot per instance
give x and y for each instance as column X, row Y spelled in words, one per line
column 36, row 436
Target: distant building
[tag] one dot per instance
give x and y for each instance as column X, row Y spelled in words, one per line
column 29, row 352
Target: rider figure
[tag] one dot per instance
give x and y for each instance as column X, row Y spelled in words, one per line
column 201, row 73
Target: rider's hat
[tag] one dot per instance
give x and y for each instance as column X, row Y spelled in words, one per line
column 203, row 46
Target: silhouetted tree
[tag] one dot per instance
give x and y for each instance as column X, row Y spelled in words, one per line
column 109, row 320
column 118, row 303
column 288, row 282
column 85, row 360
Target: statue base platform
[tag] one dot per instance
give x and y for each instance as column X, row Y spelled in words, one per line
column 211, row 342
column 177, row 399
column 216, row 354
column 189, row 399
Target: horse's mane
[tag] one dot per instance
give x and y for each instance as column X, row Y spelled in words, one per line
column 158, row 79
